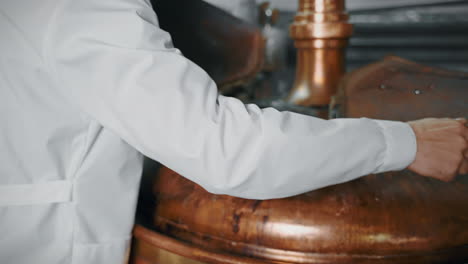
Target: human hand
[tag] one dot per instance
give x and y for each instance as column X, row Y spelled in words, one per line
column 442, row 148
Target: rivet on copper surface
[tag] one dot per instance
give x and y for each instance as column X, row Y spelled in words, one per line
column 417, row 91
column 383, row 86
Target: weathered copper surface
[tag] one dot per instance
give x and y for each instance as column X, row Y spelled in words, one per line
column 321, row 33
column 395, row 217
column 399, row 89
column 229, row 49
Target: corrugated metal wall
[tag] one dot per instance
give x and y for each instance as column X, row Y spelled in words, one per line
column 291, row 5
column 434, row 34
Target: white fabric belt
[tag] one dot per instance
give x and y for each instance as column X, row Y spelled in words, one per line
column 37, row 193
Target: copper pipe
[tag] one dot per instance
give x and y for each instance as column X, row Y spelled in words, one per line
column 320, row 31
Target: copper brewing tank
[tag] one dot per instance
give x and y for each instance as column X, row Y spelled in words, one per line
column 320, row 31
column 390, row 218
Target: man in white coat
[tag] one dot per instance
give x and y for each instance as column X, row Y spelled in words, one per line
column 87, row 87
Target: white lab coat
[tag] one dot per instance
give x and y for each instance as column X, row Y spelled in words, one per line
column 87, row 87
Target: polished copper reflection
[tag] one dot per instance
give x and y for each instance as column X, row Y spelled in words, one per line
column 229, row 49
column 320, row 31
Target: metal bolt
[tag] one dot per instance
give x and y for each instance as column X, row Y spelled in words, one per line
column 417, row 92
column 383, row 87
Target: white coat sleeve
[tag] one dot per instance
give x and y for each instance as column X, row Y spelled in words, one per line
column 118, row 66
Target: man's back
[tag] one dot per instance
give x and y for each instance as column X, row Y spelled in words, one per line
column 58, row 167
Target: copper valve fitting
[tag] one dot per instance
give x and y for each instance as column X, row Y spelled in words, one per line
column 321, row 32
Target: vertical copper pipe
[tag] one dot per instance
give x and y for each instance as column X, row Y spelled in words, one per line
column 321, row 31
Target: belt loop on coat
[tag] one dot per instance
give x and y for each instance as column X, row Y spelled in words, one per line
column 36, row 193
